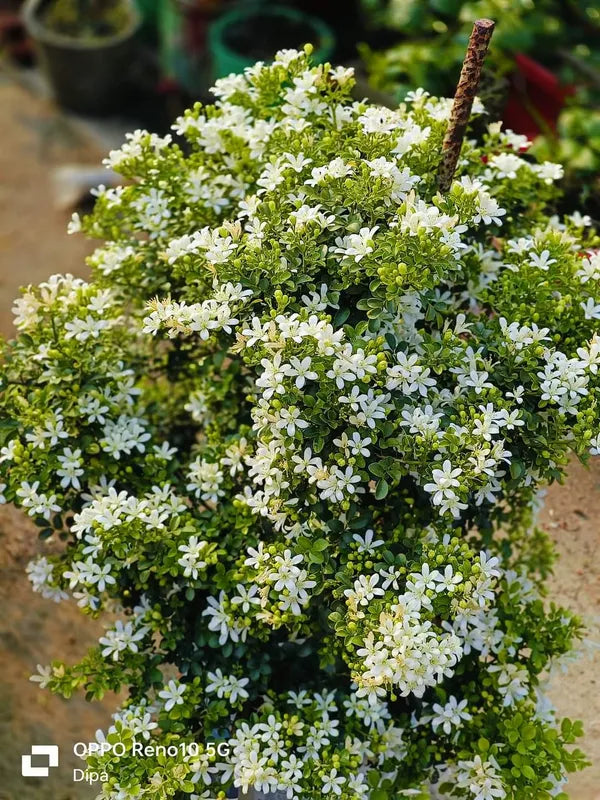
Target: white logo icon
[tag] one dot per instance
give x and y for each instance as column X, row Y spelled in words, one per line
column 29, row 771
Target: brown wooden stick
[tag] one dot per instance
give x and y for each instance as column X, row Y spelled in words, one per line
column 463, row 100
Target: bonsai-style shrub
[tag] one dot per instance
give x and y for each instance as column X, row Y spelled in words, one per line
column 294, row 433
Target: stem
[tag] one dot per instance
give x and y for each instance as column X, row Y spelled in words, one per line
column 463, row 100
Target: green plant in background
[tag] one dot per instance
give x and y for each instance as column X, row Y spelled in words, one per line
column 293, row 433
column 562, row 36
column 577, row 144
column 87, row 19
column 521, row 24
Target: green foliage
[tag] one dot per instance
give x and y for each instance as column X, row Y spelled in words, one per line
column 294, row 433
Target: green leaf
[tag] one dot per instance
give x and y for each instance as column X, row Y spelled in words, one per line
column 516, row 469
column 373, row 778
column 528, row 772
column 382, row 489
column 379, row 794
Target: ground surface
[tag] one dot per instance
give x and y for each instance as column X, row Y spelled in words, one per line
column 33, row 245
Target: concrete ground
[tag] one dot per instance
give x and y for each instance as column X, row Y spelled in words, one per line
column 33, row 245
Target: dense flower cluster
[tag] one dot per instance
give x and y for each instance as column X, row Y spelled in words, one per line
column 278, row 432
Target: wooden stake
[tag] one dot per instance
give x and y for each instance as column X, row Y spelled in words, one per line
column 463, row 100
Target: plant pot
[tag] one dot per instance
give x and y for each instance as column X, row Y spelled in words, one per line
column 254, row 32
column 86, row 75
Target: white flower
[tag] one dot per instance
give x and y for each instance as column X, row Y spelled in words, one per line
column 258, row 556
column 506, row 165
column 74, row 225
column 286, row 57
column 43, row 676
column 229, row 85
column 580, row 220
column 70, row 468
column 480, row 778
column 448, row 580
column 541, row 260
column 134, row 147
column 444, row 480
column 548, row 171
column 306, row 214
column 164, row 451
column 300, row 370
column 332, row 783
column 591, row 308
column 450, row 715
column 365, row 589
column 271, row 176
column 36, row 502
column 172, row 694
column 296, row 162
column 416, row 96
column 7, row 453
column 366, row 543
column 401, row 181
column 342, row 75
column 336, row 168
column 377, row 119
column 227, row 686
column 490, row 566
column 245, row 597
column 590, row 267
column 513, row 682
column 357, row 245
column 289, row 418
column 191, row 560
column 336, row 484
column 488, row 209
column 120, row 638
column 204, row 480
column 143, row 725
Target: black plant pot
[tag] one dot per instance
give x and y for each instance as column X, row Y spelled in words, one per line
column 89, row 76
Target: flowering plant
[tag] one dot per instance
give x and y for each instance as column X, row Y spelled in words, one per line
column 279, row 433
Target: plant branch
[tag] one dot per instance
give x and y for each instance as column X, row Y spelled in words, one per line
column 463, row 100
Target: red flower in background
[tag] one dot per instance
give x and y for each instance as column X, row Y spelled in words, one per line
column 535, row 99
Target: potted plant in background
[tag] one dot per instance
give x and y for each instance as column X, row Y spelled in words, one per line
column 85, row 47
column 247, row 32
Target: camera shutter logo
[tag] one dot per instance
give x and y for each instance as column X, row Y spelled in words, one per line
column 49, row 750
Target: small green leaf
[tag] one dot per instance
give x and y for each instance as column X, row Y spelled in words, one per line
column 382, row 489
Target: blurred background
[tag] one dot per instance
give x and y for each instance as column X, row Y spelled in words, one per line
column 75, row 75
column 145, row 60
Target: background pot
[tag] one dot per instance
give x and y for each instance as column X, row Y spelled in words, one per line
column 86, row 75
column 254, row 31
